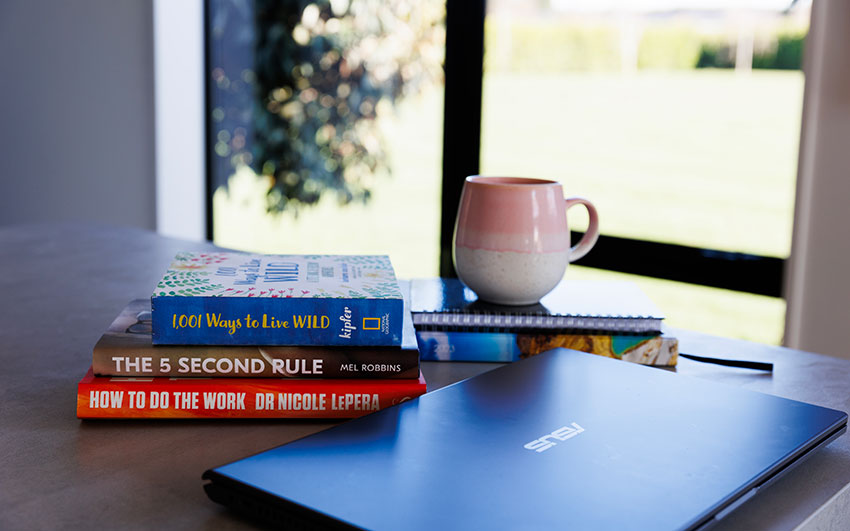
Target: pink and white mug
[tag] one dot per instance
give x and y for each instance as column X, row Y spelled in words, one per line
column 512, row 239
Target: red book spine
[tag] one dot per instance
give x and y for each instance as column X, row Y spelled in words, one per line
column 206, row 398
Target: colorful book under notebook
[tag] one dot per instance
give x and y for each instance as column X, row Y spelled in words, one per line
column 126, row 350
column 207, row 398
column 587, row 306
column 660, row 351
column 222, row 298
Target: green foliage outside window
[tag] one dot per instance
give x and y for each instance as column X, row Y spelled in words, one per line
column 324, row 71
column 558, row 46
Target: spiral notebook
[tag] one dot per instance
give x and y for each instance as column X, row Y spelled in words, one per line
column 599, row 306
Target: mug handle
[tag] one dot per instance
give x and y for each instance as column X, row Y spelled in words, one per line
column 589, row 239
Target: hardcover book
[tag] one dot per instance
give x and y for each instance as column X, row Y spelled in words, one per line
column 225, row 298
column 586, row 306
column 126, row 350
column 206, row 398
column 659, row 351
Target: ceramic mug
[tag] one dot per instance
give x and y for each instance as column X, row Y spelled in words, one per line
column 512, row 240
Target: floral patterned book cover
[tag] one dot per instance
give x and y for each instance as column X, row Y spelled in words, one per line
column 503, row 347
column 228, row 298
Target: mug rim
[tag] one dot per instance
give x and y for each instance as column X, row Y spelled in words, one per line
column 510, row 181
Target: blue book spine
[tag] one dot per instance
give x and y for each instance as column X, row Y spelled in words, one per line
column 276, row 321
column 468, row 346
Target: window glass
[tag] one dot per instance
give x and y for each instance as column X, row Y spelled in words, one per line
column 327, row 128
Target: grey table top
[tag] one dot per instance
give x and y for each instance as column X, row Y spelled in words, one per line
column 63, row 284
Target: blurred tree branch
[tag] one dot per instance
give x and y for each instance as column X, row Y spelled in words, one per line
column 324, row 72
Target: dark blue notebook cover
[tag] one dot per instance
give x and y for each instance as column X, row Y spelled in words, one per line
column 445, row 303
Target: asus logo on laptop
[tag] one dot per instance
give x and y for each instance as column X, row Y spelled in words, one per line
column 548, row 441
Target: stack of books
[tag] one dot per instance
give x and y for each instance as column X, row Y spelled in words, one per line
column 233, row 335
column 613, row 319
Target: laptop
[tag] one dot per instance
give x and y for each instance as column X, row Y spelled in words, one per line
column 560, row 440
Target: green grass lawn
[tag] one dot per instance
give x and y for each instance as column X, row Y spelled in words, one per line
column 701, row 157
column 698, row 157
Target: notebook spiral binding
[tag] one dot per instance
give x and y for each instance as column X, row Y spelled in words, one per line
column 449, row 320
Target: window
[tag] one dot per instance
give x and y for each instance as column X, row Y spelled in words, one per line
column 680, row 120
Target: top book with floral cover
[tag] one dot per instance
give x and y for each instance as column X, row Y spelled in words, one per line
column 227, row 298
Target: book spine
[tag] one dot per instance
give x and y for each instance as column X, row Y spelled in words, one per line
column 257, row 362
column 506, row 347
column 498, row 347
column 127, row 398
column 276, row 321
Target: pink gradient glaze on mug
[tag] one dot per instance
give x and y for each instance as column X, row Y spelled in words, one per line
column 512, row 240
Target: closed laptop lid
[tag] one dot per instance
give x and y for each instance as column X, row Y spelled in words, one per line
column 563, row 439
